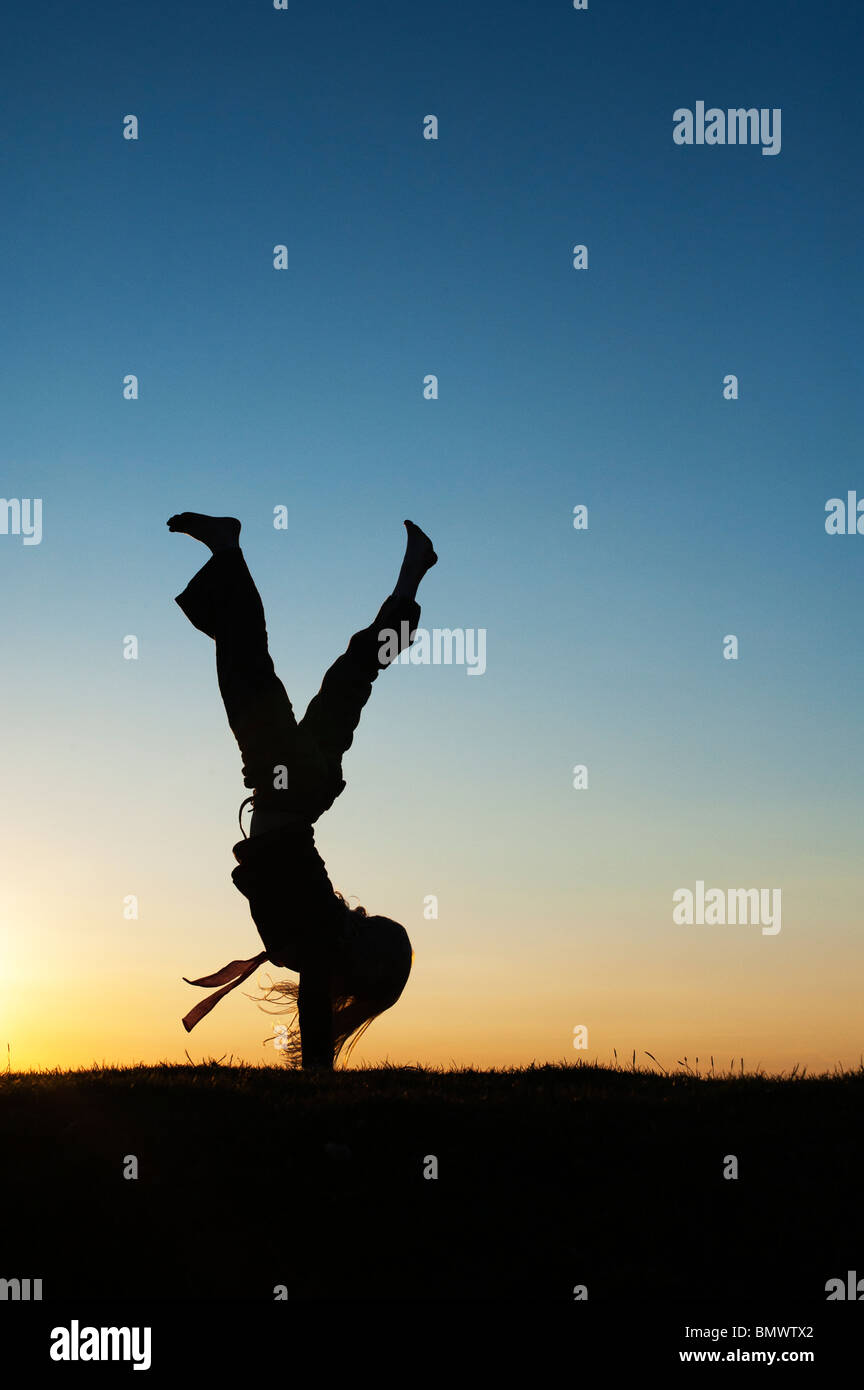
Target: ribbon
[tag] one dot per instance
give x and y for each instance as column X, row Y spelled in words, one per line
column 230, row 976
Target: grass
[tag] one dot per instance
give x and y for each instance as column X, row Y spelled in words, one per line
column 548, row 1177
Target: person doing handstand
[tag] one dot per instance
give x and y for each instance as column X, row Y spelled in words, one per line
column 351, row 966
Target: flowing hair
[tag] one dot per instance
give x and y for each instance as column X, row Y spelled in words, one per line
column 354, row 1007
column 351, row 1018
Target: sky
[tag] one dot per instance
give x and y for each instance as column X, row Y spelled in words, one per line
column 305, row 388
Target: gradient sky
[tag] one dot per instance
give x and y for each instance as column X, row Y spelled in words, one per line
column 303, row 388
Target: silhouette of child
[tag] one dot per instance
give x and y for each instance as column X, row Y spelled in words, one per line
column 351, row 966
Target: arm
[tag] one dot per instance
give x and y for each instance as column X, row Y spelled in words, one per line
column 315, row 1013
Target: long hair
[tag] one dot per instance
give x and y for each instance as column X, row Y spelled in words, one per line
column 374, row 968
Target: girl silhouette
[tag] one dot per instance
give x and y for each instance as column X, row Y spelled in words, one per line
column 351, row 966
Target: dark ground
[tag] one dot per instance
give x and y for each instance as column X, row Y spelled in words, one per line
column 547, row 1178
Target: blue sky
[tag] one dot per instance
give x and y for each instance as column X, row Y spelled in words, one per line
column 303, row 388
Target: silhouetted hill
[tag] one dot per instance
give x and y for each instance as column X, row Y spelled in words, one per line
column 548, row 1178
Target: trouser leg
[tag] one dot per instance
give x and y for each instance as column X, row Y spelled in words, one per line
column 222, row 601
column 334, row 713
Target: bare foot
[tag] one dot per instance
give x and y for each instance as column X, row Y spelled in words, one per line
column 419, row 557
column 216, row 532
